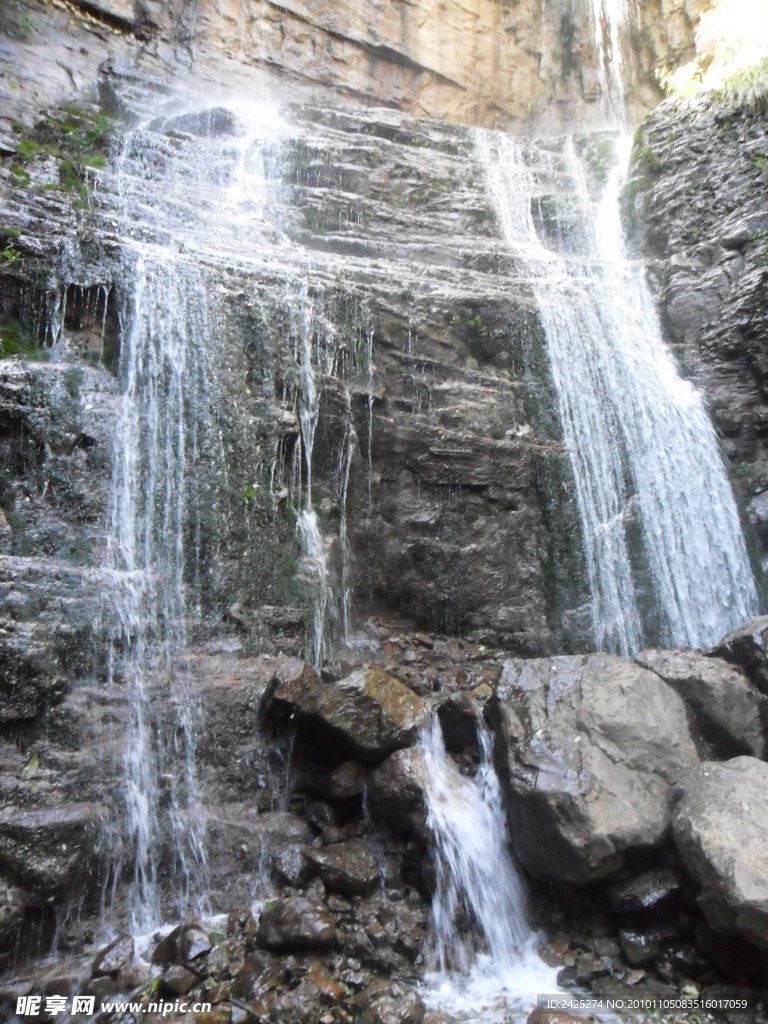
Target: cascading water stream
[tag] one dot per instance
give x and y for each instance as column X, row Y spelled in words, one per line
column 166, row 418
column 315, row 560
column 196, row 198
column 607, row 18
column 156, row 437
column 638, row 436
column 487, row 964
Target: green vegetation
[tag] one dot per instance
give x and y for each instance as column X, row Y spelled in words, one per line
column 480, row 339
column 637, row 186
column 599, row 155
column 421, row 196
column 731, row 62
column 482, row 214
column 646, row 161
column 747, row 89
column 76, row 137
column 13, row 342
column 19, row 176
column 449, row 146
column 9, row 254
column 31, row 767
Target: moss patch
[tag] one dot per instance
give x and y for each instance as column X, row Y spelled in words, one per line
column 13, row 342
column 76, row 137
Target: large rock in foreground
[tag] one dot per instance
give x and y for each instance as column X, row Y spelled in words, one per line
column 721, row 830
column 396, row 794
column 729, row 711
column 368, row 714
column 590, row 749
column 350, row 868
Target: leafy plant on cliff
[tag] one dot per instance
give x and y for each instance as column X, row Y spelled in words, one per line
column 747, row 89
column 9, row 254
column 77, row 137
column 480, row 339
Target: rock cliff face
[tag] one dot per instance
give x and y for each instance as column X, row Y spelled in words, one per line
column 425, row 462
column 541, row 62
column 384, row 261
column 384, row 343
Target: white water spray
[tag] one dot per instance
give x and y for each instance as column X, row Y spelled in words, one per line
column 608, row 18
column 164, row 215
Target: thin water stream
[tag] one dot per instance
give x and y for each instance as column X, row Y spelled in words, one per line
column 165, row 407
column 486, row 964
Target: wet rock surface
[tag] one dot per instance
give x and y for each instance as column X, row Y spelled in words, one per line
column 350, row 868
column 117, row 956
column 368, row 714
column 748, row 648
column 49, row 850
column 296, row 923
column 344, row 927
column 396, row 794
column 449, row 521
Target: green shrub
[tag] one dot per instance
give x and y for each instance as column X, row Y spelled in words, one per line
column 748, row 89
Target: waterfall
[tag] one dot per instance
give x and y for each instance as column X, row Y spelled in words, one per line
column 640, row 443
column 165, row 404
column 198, row 212
column 314, row 564
column 165, row 426
column 607, row 18
column 484, row 946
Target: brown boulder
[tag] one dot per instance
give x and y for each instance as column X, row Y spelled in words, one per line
column 368, row 714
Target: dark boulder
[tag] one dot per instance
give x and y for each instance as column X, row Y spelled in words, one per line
column 396, row 794
column 389, row 1002
column 48, row 849
column 350, row 868
column 646, row 892
column 747, row 647
column 368, row 714
column 116, row 957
